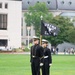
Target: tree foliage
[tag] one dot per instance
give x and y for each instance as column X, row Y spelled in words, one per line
column 67, row 31
column 32, row 17
column 66, row 28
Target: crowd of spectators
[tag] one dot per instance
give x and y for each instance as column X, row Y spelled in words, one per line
column 69, row 51
column 65, row 51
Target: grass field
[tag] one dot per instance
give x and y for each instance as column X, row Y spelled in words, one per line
column 12, row 64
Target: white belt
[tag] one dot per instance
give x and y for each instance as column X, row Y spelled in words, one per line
column 33, row 56
column 45, row 56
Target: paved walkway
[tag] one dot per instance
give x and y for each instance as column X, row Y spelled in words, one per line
column 20, row 53
column 29, row 53
column 15, row 53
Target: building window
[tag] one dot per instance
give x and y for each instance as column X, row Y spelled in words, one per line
column 6, row 5
column 0, row 5
column 30, row 41
column 37, row 1
column 70, row 3
column 3, row 21
column 21, row 26
column 28, row 2
column 62, row 2
column 22, row 31
column 26, row 42
column 48, row 2
column 3, row 42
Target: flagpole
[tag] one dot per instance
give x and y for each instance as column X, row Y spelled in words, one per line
column 41, row 45
column 40, row 32
column 40, row 39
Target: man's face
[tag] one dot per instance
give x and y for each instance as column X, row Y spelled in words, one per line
column 36, row 41
column 44, row 44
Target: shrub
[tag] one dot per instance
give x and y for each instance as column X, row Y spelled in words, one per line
column 26, row 49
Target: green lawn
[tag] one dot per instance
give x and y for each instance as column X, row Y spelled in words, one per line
column 12, row 64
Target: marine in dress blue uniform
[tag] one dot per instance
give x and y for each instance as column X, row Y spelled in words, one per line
column 47, row 59
column 36, row 56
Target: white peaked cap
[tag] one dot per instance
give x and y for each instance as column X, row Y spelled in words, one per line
column 43, row 40
column 35, row 37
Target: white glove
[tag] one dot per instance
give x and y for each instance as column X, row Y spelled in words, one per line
column 41, row 64
column 50, row 64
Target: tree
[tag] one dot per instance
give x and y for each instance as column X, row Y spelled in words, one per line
column 66, row 28
column 32, row 17
column 72, row 36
